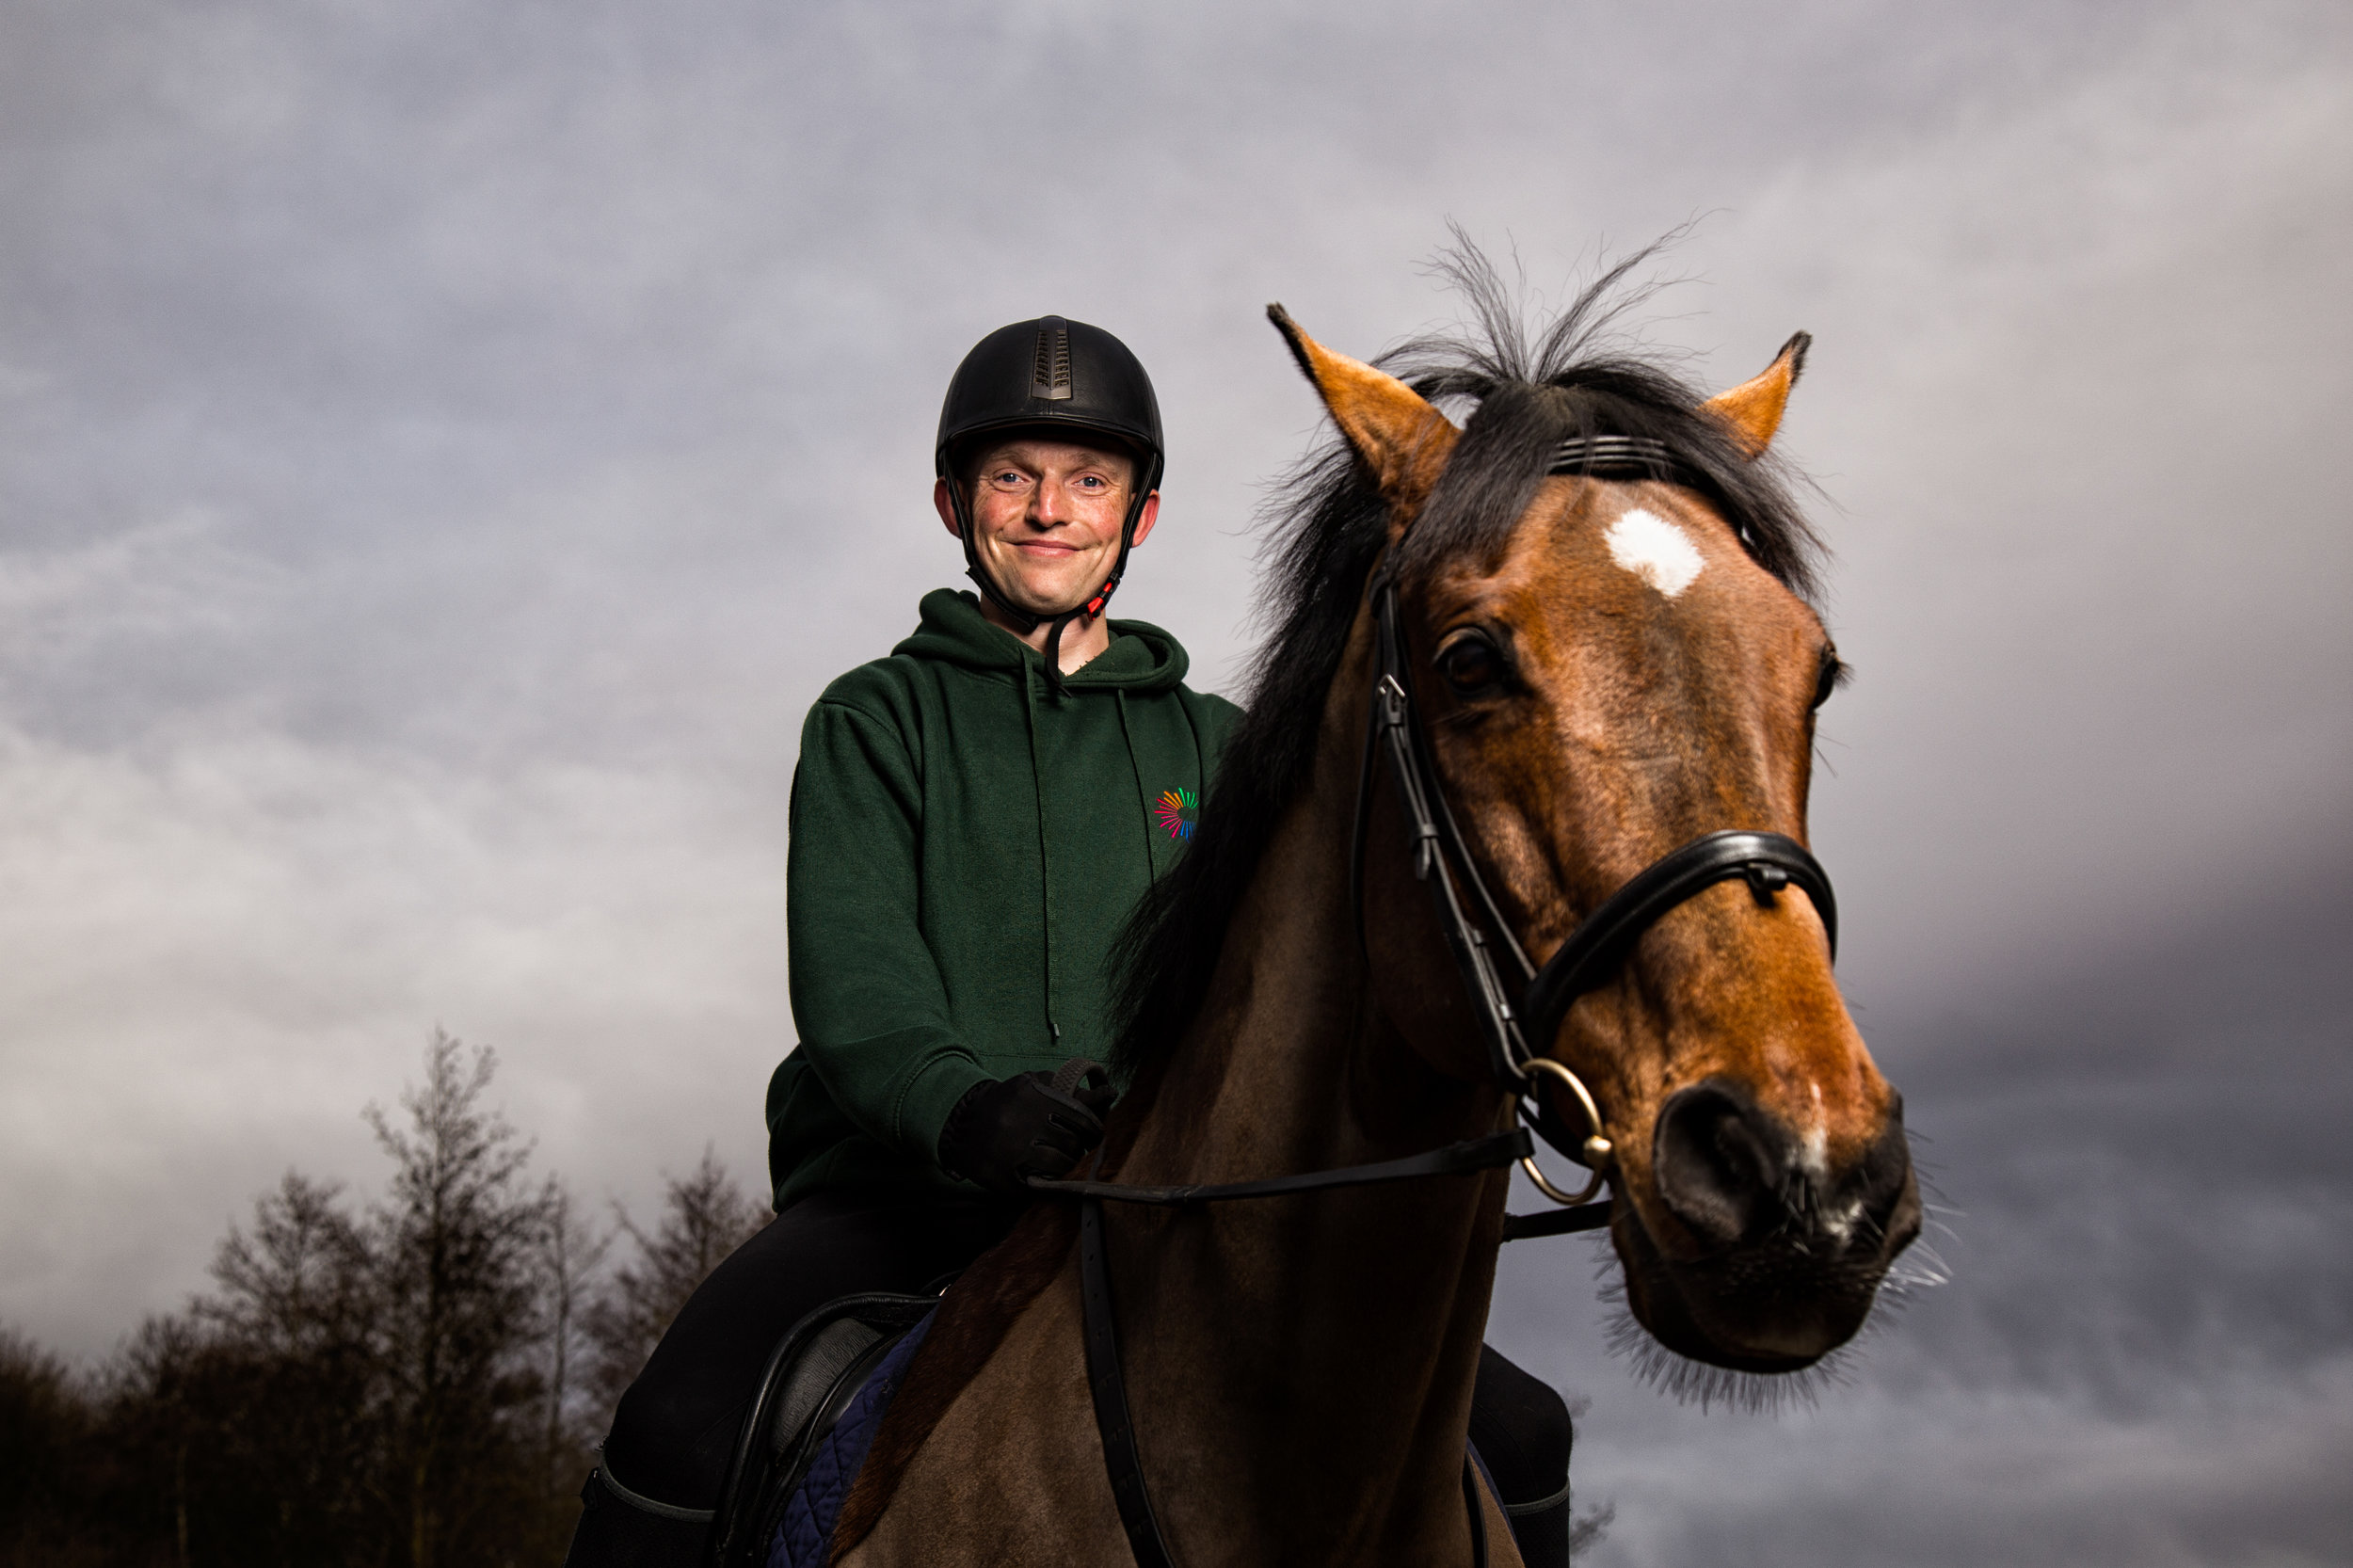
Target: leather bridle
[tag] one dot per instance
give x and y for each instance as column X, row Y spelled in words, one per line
column 1768, row 862
column 1474, row 929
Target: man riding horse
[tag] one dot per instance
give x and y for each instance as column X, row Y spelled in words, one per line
column 973, row 820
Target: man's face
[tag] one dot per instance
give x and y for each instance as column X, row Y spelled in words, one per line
column 1046, row 516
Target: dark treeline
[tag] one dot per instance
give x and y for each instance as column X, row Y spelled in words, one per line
column 415, row 1380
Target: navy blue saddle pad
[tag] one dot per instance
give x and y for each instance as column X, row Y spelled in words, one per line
column 805, row 1537
column 809, row 1424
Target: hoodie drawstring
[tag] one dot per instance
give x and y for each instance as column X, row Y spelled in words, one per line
column 1045, row 849
column 1143, row 790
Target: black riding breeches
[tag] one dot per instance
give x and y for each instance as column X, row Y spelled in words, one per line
column 1521, row 1429
column 675, row 1428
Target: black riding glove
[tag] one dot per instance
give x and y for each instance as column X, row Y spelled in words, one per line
column 1036, row 1124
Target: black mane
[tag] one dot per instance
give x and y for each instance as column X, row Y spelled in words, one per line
column 1326, row 524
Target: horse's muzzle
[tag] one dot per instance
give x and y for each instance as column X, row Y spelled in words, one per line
column 1737, row 1176
column 1789, row 1253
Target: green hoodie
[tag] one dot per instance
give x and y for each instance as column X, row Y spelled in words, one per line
column 965, row 849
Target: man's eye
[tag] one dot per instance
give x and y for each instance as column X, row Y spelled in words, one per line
column 1471, row 664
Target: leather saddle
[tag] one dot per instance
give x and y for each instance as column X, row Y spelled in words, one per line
column 815, row 1372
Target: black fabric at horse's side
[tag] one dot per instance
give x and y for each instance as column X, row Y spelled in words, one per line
column 1522, row 1430
column 675, row 1428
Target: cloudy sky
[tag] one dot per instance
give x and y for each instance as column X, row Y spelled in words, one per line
column 445, row 446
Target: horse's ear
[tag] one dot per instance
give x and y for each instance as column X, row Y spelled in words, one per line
column 1753, row 408
column 1402, row 438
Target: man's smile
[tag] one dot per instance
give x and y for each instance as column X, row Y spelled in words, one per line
column 1046, row 522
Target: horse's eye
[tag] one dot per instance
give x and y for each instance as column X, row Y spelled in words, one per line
column 1832, row 677
column 1471, row 664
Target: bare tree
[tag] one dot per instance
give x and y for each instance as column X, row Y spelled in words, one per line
column 286, row 1362
column 565, row 1255
column 454, row 1243
column 45, row 1421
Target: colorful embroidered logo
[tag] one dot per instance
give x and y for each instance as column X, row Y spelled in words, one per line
column 1179, row 809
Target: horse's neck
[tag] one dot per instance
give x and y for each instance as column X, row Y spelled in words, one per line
column 1306, row 1364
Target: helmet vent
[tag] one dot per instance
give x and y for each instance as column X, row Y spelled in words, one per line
column 1051, row 377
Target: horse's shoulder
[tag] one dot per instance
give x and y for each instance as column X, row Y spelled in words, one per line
column 971, row 1324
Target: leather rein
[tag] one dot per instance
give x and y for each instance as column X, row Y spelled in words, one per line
column 1768, row 862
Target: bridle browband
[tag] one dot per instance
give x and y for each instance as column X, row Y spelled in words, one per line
column 1768, row 862
column 1623, row 457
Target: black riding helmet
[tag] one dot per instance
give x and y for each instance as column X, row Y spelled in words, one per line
column 1050, row 375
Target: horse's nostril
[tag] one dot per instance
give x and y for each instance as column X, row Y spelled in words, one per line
column 1722, row 1164
column 1883, row 1182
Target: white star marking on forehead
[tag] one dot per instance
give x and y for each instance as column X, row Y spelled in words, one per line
column 1655, row 551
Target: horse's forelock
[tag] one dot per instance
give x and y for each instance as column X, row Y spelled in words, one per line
column 1489, row 480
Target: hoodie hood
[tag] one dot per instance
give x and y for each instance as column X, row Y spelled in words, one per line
column 1142, row 658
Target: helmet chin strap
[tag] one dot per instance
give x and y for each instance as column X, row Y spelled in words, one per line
column 1027, row 620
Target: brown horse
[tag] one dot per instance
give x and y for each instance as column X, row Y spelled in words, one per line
column 1602, row 666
